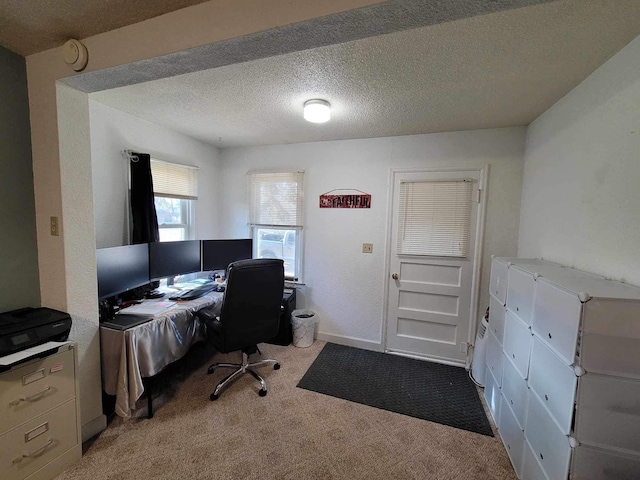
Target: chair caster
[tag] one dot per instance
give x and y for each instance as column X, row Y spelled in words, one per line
column 213, row 397
column 262, row 393
column 276, row 366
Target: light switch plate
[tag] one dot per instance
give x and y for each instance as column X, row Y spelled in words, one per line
column 54, row 226
column 367, row 248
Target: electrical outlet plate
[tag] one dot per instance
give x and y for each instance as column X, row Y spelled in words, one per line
column 367, row 248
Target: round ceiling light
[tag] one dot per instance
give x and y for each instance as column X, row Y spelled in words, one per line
column 317, row 111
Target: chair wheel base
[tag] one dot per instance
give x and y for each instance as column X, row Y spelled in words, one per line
column 262, row 393
column 276, row 366
column 213, row 397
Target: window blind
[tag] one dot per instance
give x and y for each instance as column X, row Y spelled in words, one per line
column 174, row 180
column 434, row 218
column 276, row 199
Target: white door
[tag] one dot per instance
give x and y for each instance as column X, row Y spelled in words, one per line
column 433, row 272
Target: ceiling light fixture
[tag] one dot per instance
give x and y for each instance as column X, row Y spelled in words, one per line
column 317, row 111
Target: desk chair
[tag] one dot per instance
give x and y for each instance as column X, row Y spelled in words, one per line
column 250, row 314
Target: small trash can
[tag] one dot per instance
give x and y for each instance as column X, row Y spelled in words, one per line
column 303, row 323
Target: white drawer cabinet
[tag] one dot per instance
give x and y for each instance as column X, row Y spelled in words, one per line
column 496, row 318
column 572, row 349
column 494, row 358
column 554, row 383
column 549, row 444
column 608, row 413
column 512, row 436
column 498, row 279
column 517, row 343
column 515, row 391
column 40, row 424
column 492, row 395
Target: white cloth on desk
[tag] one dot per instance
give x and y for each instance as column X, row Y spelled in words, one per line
column 128, row 356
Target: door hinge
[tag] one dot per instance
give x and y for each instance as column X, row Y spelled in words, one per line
column 479, row 194
column 464, row 348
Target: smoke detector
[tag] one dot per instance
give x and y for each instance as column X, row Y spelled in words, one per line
column 75, row 54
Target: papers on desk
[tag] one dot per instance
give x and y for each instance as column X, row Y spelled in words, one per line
column 148, row 308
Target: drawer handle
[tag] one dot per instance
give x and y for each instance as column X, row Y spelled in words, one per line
column 513, row 355
column 517, row 309
column 546, row 397
column 541, row 457
column 511, row 402
column 549, row 335
column 35, row 453
column 31, row 398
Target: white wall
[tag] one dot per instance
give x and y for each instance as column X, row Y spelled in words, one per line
column 113, row 131
column 581, row 193
column 344, row 286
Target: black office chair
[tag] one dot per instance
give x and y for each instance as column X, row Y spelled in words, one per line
column 250, row 315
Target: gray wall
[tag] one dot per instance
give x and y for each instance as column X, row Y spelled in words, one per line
column 19, row 285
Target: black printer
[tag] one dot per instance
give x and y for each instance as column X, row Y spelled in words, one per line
column 26, row 327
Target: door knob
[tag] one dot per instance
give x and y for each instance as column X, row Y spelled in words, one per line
column 395, row 276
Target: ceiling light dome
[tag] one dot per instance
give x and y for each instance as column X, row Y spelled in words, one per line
column 317, row 111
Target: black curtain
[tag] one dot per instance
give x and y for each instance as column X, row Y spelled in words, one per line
column 143, row 209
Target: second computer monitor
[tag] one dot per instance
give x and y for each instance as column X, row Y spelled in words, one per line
column 218, row 254
column 168, row 259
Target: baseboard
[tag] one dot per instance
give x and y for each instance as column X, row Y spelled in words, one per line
column 350, row 341
column 94, row 427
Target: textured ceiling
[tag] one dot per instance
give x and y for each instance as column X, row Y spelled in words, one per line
column 30, row 26
column 496, row 70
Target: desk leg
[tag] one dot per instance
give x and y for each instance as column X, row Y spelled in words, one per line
column 148, row 386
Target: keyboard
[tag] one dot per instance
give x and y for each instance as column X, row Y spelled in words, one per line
column 192, row 293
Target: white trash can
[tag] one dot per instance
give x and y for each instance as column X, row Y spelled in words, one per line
column 303, row 323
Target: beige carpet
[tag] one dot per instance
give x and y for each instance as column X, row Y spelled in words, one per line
column 289, row 434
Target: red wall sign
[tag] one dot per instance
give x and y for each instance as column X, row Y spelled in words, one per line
column 349, row 200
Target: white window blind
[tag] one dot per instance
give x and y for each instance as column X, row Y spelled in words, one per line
column 276, row 199
column 174, row 180
column 434, row 218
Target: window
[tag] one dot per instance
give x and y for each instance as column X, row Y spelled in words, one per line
column 275, row 218
column 175, row 188
column 435, row 218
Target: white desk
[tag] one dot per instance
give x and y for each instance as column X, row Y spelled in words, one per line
column 143, row 351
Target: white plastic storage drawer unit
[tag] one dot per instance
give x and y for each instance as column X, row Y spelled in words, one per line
column 580, row 363
column 517, row 343
column 494, row 357
column 550, row 445
column 515, row 391
column 492, row 395
column 498, row 280
column 496, row 318
column 512, row 436
column 608, row 413
column 554, row 383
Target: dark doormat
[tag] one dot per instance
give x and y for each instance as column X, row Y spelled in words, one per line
column 426, row 390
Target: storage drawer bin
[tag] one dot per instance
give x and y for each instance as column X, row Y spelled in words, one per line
column 596, row 464
column 512, row 436
column 531, row 469
column 30, row 446
column 556, row 318
column 496, row 318
column 549, row 444
column 498, row 279
column 611, row 338
column 517, row 343
column 36, row 387
column 554, row 382
column 520, row 293
column 492, row 395
column 494, row 357
column 608, row 413
column 514, row 391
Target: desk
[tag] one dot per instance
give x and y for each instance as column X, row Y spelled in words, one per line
column 142, row 351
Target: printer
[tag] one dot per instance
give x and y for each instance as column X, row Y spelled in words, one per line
column 27, row 327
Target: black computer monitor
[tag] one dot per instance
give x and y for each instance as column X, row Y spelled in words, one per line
column 121, row 269
column 218, row 254
column 167, row 259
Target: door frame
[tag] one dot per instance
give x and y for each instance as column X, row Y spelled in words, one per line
column 478, row 247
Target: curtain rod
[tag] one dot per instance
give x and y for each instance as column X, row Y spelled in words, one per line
column 129, row 155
